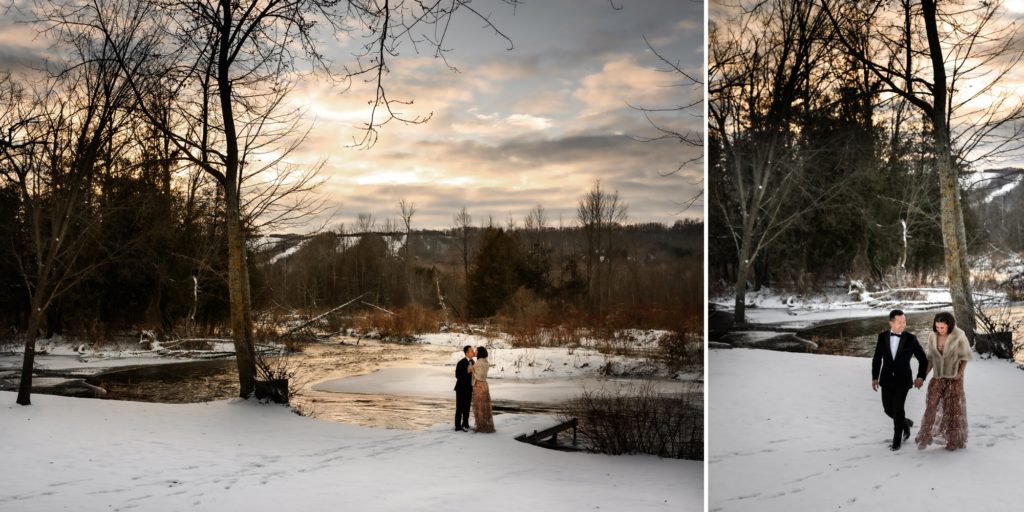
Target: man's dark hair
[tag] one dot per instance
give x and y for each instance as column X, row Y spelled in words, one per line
column 895, row 313
column 946, row 318
column 465, row 350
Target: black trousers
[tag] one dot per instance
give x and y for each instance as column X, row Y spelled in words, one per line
column 894, row 399
column 462, row 401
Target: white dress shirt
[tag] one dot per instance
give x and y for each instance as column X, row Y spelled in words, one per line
column 894, row 343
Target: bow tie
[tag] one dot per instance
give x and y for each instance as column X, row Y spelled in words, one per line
column 896, row 335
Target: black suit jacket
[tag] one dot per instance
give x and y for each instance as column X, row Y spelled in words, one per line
column 463, row 379
column 894, row 369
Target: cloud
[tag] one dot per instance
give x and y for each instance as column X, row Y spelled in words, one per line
column 623, row 81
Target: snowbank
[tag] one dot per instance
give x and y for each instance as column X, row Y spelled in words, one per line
column 806, row 432
column 772, row 307
column 75, row 358
column 74, row 454
column 563, row 362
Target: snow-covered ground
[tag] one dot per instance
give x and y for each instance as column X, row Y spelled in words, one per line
column 795, row 432
column 563, row 362
column 78, row 454
column 82, row 454
column 789, row 311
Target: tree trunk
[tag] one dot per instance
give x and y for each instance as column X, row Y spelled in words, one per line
column 743, row 265
column 953, row 235
column 28, row 361
column 966, row 320
column 955, row 248
column 238, row 288
column 238, row 270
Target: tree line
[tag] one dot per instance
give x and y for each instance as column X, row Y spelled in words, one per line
column 643, row 275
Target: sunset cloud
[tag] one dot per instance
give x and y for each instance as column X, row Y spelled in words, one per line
column 508, row 128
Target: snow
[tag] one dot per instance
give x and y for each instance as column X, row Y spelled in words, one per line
column 806, row 432
column 75, row 358
column 287, row 252
column 563, row 362
column 438, row 382
column 788, row 311
column 78, row 454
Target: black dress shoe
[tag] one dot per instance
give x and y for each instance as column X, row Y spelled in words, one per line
column 896, row 441
column 906, row 429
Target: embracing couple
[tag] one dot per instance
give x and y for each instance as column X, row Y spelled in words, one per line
column 945, row 356
column 471, row 390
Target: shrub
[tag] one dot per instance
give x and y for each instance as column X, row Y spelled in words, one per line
column 402, row 324
column 639, row 419
column 682, row 350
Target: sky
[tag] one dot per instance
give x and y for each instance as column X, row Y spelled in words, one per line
column 537, row 124
column 512, row 128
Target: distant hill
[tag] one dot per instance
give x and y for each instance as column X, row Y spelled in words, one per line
column 993, row 183
column 653, row 241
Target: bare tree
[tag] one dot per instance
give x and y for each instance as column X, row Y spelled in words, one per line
column 231, row 64
column 536, row 223
column 408, row 209
column 599, row 212
column 365, row 223
column 463, row 222
column 947, row 63
column 54, row 141
column 761, row 68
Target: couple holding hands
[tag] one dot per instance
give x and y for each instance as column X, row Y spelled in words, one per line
column 945, row 356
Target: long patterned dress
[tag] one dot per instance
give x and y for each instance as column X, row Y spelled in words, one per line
column 482, row 397
column 945, row 414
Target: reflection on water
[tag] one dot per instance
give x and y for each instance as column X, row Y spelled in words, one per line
column 203, row 381
column 174, row 383
column 857, row 337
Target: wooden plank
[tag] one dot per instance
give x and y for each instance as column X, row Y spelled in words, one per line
column 552, row 432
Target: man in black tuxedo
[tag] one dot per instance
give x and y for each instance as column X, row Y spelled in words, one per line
column 890, row 369
column 464, row 389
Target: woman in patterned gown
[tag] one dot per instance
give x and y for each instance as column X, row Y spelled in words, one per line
column 481, row 393
column 945, row 414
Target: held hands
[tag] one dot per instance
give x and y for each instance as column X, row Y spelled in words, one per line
column 918, row 383
column 874, row 384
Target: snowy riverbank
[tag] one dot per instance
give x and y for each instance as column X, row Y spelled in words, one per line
column 524, row 374
column 75, row 454
column 585, row 360
column 806, row 432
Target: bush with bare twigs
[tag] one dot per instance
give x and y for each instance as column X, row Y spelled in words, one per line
column 640, row 419
column 682, row 350
column 402, row 324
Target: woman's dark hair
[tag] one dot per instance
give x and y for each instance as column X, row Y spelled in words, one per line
column 946, row 318
column 481, row 352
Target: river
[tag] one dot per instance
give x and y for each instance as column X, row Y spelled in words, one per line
column 202, row 381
